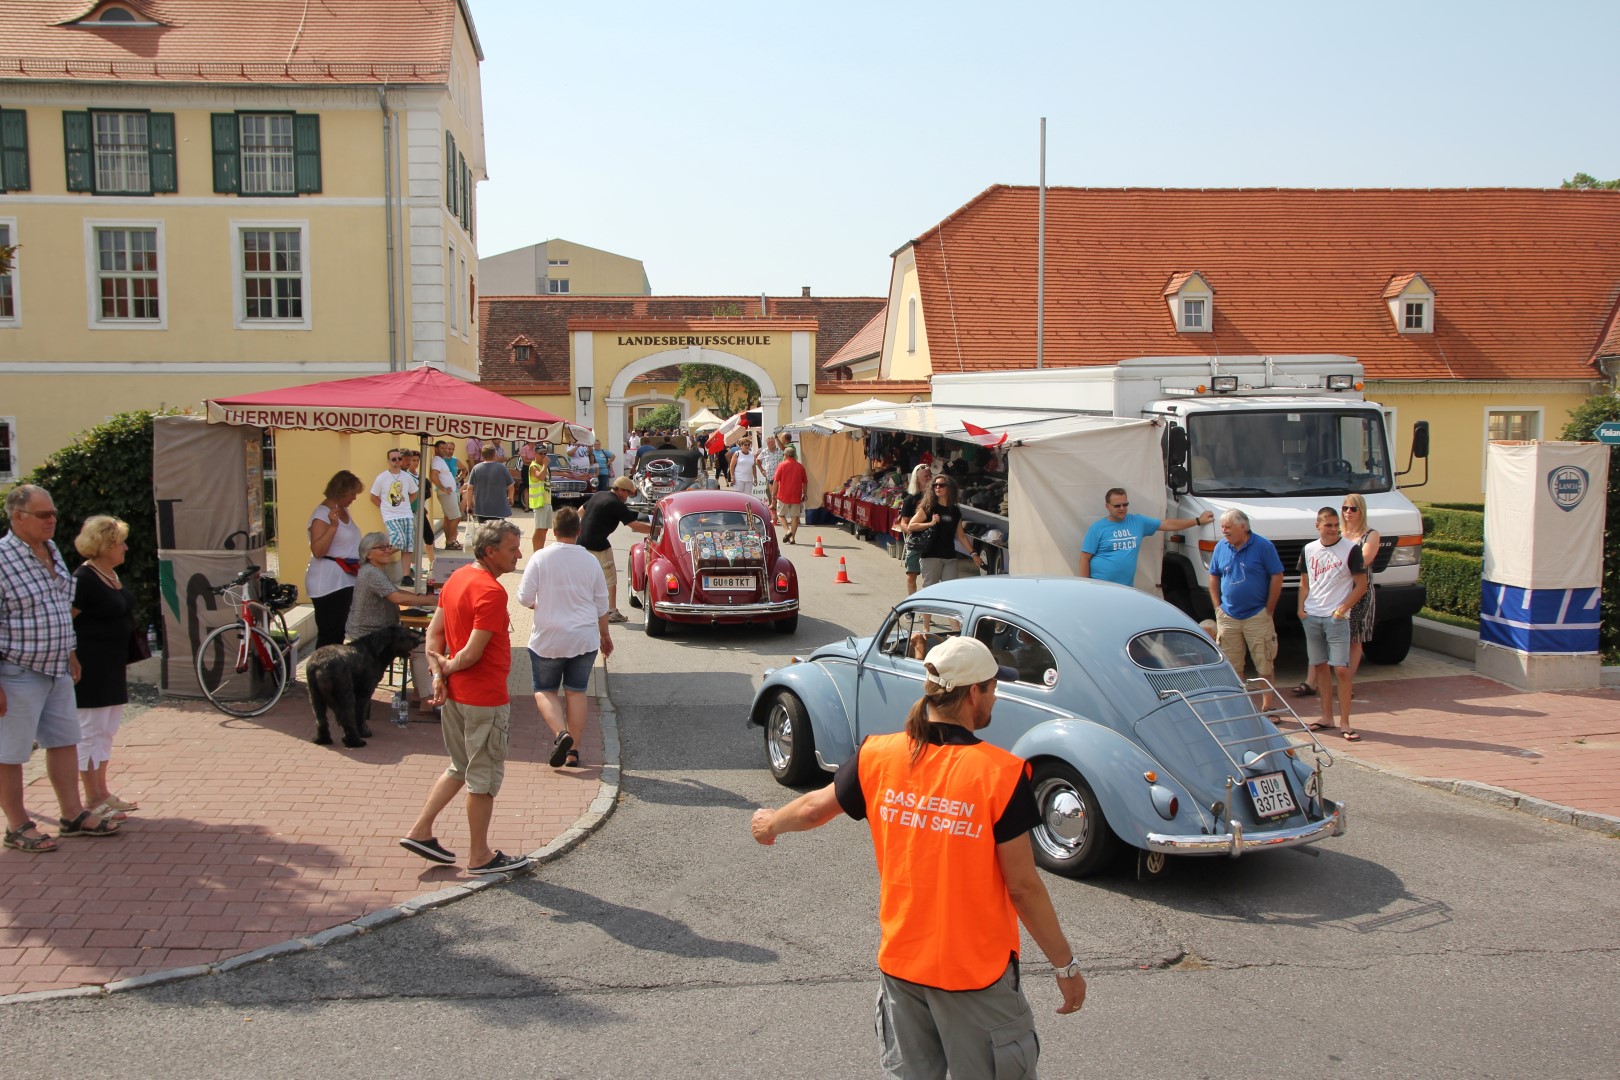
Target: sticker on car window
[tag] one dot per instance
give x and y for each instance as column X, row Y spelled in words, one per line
column 1049, row 676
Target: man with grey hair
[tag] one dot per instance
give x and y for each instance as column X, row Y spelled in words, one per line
column 470, row 650
column 1245, row 583
column 38, row 668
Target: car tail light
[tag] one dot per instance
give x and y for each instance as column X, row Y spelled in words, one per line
column 781, row 582
column 672, row 584
column 1165, row 801
column 1151, row 777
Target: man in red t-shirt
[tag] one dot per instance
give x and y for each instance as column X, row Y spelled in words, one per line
column 790, row 484
column 469, row 647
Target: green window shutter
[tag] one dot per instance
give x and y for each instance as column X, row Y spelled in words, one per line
column 466, row 191
column 227, row 161
column 81, row 162
column 307, row 153
column 13, row 150
column 450, row 171
column 160, row 151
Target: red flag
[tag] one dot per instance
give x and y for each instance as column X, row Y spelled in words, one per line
column 982, row 436
column 717, row 441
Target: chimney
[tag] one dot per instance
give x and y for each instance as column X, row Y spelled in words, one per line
column 804, row 291
column 762, row 311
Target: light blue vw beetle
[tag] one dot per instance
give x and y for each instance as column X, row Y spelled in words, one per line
column 1137, row 728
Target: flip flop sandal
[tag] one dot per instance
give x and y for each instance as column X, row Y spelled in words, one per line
column 561, row 747
column 36, row 844
column 573, row 759
column 1321, row 727
column 1304, row 689
column 1351, row 736
column 76, row 827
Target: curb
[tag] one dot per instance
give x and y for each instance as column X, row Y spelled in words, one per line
column 1505, row 798
column 601, row 808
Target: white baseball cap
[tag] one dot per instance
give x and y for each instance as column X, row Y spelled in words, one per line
column 964, row 661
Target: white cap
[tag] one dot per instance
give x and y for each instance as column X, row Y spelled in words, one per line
column 964, row 661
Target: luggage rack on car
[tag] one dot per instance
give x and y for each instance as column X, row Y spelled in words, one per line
column 1232, row 747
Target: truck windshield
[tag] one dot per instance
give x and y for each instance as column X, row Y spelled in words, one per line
column 1288, row 452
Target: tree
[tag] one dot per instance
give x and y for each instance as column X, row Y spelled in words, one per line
column 1582, row 420
column 727, row 390
column 665, row 416
column 108, row 470
column 1587, row 181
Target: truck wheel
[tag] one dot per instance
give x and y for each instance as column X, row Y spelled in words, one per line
column 1073, row 838
column 789, row 746
column 1391, row 642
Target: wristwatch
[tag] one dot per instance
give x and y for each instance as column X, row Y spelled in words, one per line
column 1070, row 971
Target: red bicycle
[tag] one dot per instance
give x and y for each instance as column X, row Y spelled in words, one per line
column 240, row 667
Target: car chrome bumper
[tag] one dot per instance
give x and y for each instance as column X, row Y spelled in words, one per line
column 1236, row 842
column 725, row 611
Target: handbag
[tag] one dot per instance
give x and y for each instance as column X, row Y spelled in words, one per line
column 920, row 539
column 350, row 566
column 139, row 648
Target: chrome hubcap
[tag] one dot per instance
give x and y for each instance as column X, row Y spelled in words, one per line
column 779, row 737
column 1063, row 819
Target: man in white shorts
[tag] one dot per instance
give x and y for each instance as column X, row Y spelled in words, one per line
column 444, row 484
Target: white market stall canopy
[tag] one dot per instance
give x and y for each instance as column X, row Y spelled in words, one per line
column 950, row 421
column 703, row 420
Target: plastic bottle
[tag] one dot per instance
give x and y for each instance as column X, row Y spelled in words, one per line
column 401, row 712
column 152, row 638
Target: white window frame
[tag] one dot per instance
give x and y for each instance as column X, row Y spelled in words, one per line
column 122, row 151
column 270, row 153
column 9, row 476
column 556, row 262
column 452, row 285
column 911, row 324
column 1536, row 411
column 552, row 288
column 239, row 276
column 92, row 275
column 1187, row 312
column 463, row 292
column 14, row 320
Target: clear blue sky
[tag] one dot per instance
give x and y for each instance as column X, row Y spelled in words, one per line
column 747, row 148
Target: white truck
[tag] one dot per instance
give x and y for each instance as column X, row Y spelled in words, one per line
column 1277, row 437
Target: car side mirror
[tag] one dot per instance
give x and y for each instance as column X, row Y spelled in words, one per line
column 1420, row 439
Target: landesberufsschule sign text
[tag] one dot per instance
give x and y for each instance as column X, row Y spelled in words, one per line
column 700, row 340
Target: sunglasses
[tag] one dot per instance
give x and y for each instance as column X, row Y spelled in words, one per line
column 43, row 515
column 393, row 461
column 1118, row 506
column 1349, row 510
column 942, row 485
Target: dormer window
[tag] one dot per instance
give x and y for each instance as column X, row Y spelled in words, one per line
column 1411, row 304
column 119, row 13
column 522, row 348
column 1192, row 302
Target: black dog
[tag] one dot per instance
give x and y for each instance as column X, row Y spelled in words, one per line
column 344, row 677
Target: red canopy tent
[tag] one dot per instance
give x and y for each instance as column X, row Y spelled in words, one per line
column 423, row 401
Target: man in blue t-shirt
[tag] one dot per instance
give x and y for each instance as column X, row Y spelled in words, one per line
column 1245, row 583
column 1108, row 553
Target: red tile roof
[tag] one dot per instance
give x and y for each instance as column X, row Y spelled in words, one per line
column 1526, row 281
column 867, row 342
column 235, row 41
column 546, row 319
column 1397, row 284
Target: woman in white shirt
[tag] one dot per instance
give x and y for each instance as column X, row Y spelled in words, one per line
column 569, row 629
column 742, row 467
column 334, row 550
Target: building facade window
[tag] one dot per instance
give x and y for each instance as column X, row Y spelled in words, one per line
column 272, row 274
column 267, row 153
column 1518, row 425
column 556, row 262
column 8, row 279
column 520, row 353
column 1192, row 314
column 127, row 273
column 8, row 449
column 1416, row 315
column 13, row 150
column 911, row 325
column 119, row 153
column 556, row 285
column 451, row 281
column 464, row 282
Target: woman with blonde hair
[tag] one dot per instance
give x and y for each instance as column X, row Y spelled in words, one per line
column 103, row 623
column 1354, row 526
column 916, row 488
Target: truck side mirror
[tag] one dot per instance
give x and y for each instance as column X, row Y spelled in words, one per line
column 1420, row 439
column 1178, row 447
column 1176, row 477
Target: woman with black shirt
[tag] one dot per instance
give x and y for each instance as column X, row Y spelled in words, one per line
column 103, row 621
column 915, row 490
column 940, row 511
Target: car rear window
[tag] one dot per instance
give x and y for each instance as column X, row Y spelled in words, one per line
column 723, row 534
column 1158, row 650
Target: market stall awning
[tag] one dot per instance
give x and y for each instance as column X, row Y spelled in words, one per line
column 865, row 406
column 819, row 424
column 421, row 401
column 952, row 421
column 703, row 420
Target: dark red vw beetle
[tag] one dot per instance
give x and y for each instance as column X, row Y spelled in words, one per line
column 713, row 557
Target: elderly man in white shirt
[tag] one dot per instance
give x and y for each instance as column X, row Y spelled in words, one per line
column 569, row 629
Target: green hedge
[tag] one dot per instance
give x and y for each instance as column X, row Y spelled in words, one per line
column 1448, row 522
column 1459, row 547
column 108, row 470
column 1452, row 580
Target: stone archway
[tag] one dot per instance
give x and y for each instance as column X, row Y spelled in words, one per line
column 770, row 401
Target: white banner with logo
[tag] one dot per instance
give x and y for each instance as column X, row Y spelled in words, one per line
column 1544, row 514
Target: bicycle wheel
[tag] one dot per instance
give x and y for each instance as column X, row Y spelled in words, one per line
column 241, row 676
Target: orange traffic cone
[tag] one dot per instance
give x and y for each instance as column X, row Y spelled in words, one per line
column 843, row 574
column 818, row 553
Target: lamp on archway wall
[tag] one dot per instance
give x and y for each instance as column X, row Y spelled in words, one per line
column 801, row 391
column 585, row 397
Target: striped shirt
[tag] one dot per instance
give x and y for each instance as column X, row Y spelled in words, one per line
column 36, row 609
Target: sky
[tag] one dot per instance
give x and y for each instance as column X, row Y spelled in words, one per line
column 745, row 148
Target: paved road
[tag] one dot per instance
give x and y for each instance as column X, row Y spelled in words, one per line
column 1439, row 938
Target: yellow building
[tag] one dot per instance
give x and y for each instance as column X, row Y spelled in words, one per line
column 212, row 197
column 562, row 268
column 1488, row 313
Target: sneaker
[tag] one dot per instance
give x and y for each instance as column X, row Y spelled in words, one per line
column 430, row 849
column 559, row 749
column 617, row 616
column 502, row 863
